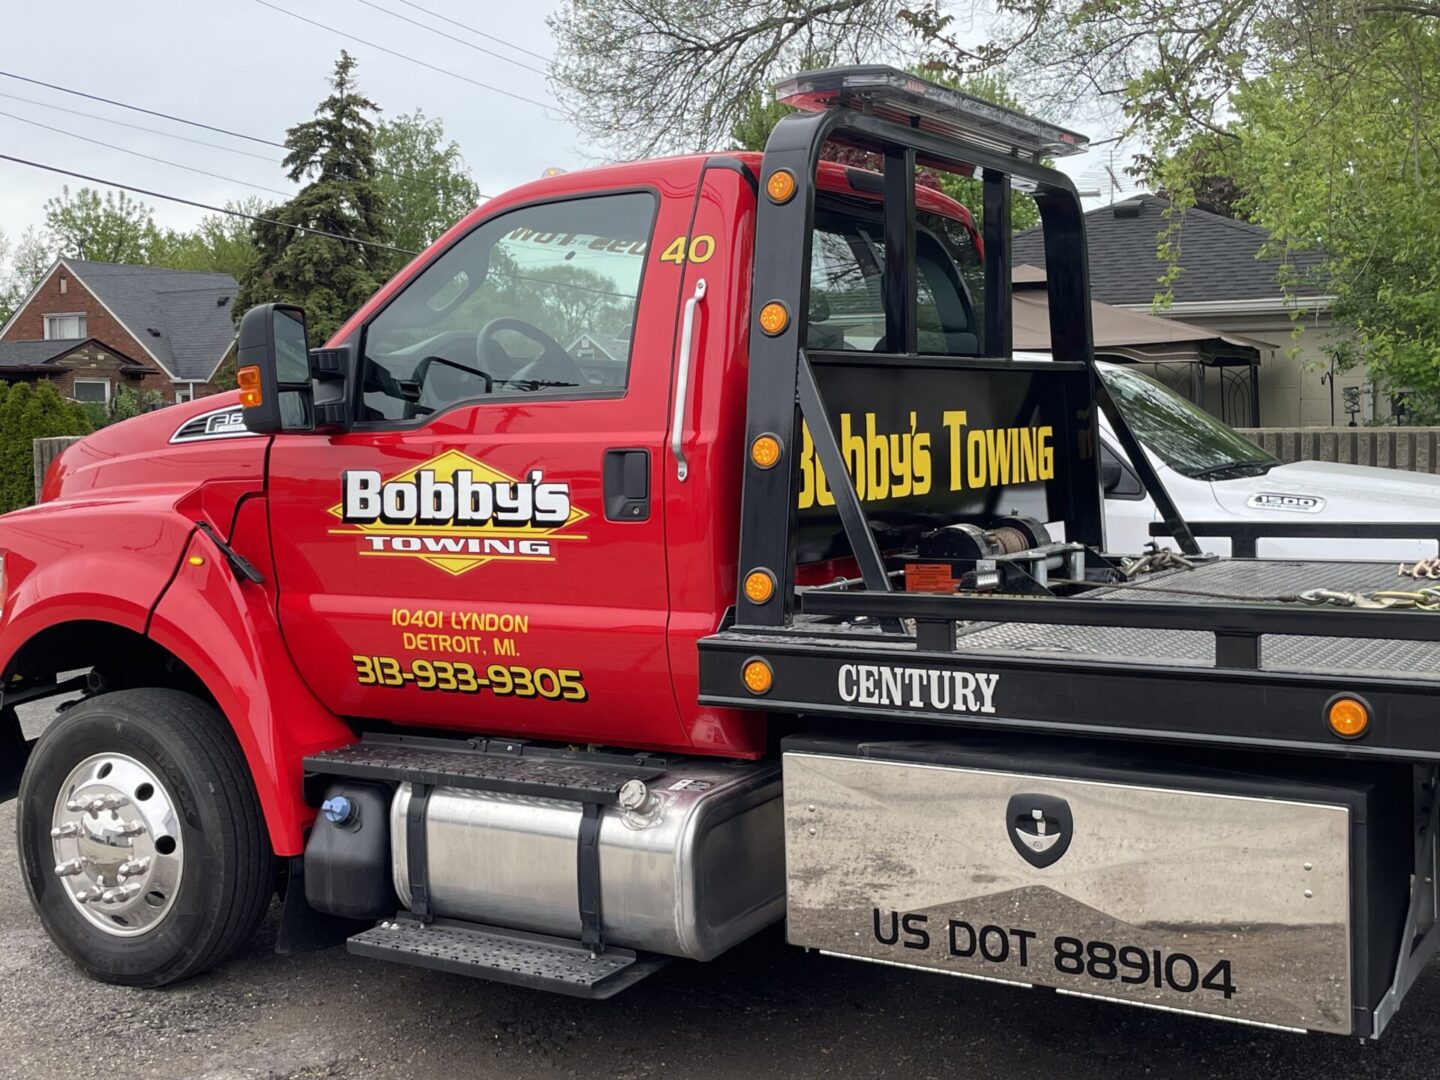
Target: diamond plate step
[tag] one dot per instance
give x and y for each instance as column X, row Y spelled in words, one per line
column 532, row 773
column 507, row 956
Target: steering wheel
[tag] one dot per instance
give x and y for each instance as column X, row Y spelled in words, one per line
column 553, row 365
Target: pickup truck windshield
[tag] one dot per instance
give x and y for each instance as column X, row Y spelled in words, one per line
column 1181, row 434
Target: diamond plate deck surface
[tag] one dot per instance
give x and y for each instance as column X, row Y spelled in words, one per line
column 1232, row 581
column 506, row 957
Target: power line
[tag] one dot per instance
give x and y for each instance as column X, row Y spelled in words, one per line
column 471, row 29
column 402, row 56
column 147, row 157
column 139, row 108
column 406, row 177
column 141, row 127
column 204, row 206
column 451, row 37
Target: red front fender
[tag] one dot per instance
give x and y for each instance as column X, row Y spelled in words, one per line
column 224, row 630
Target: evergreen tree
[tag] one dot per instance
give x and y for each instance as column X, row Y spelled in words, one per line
column 29, row 412
column 329, row 277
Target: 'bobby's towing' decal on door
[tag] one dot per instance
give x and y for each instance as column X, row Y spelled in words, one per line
column 456, row 513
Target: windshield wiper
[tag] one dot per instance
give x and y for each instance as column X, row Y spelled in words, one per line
column 1214, row 471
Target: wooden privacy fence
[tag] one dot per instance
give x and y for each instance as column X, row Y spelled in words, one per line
column 46, row 451
column 1413, row 448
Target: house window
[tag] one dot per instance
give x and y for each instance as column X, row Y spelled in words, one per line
column 185, row 393
column 95, row 391
column 64, row 327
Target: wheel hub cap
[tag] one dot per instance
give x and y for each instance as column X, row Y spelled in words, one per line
column 116, row 840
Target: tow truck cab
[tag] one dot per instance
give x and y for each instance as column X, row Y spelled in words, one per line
column 585, row 338
column 651, row 494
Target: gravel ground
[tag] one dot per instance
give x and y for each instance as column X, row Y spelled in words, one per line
column 762, row 1011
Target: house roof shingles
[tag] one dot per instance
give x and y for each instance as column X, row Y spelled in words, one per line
column 190, row 309
column 1218, row 256
column 24, row 354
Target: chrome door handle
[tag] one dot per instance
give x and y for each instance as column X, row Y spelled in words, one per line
column 682, row 381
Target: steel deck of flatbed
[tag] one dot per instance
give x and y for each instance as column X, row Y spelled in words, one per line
column 1237, row 666
column 1229, row 581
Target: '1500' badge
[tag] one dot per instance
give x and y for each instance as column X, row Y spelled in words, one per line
column 456, row 513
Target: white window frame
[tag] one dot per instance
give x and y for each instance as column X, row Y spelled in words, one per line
column 91, row 382
column 51, row 319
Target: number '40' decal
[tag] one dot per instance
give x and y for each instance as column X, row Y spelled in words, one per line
column 695, row 249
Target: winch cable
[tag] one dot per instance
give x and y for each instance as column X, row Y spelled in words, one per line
column 1420, row 600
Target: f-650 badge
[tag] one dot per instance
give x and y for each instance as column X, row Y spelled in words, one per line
column 456, row 513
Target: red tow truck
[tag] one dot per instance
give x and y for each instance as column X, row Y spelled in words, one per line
column 677, row 547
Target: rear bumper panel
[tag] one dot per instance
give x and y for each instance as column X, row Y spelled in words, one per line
column 1225, row 896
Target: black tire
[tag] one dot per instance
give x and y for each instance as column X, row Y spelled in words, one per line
column 227, row 878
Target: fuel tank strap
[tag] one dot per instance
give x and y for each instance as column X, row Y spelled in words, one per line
column 416, row 853
column 588, row 877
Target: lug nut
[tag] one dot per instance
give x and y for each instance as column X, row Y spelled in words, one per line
column 65, row 832
column 70, row 868
column 131, row 867
column 106, row 802
column 130, row 828
column 86, row 896
column 119, row 894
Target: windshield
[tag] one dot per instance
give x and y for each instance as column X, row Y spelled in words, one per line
column 1181, row 434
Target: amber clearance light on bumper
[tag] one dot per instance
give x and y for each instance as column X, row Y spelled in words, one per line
column 758, row 675
column 1349, row 717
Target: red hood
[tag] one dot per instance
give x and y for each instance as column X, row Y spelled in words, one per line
column 188, row 449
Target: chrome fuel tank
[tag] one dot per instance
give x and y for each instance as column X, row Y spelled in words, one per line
column 696, row 870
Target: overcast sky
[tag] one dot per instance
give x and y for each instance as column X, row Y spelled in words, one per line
column 252, row 69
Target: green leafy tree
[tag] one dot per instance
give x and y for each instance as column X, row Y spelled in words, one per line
column 28, row 412
column 219, row 243
column 112, row 228
column 426, row 186
column 19, row 273
column 334, row 155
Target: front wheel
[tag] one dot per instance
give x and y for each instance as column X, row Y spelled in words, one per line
column 141, row 839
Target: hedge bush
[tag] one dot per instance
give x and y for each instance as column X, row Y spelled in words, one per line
column 30, row 411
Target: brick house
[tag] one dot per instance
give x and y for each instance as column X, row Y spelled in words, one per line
column 92, row 327
column 1231, row 284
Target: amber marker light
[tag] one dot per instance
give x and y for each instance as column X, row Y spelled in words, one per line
column 759, row 586
column 197, row 560
column 758, row 676
column 248, row 380
column 765, row 451
column 1349, row 717
column 774, row 318
column 781, row 186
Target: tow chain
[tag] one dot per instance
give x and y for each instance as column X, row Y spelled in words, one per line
column 1154, row 560
column 1424, row 568
column 1427, row 599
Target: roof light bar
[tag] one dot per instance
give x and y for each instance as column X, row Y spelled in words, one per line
column 908, row 99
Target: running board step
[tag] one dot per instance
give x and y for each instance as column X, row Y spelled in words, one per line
column 507, row 766
column 506, row 956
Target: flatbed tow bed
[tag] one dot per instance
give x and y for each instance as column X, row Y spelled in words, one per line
column 1098, row 663
column 1219, row 733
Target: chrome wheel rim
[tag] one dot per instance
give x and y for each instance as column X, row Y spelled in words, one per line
column 115, row 836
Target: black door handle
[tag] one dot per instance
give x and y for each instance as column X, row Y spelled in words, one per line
column 627, row 485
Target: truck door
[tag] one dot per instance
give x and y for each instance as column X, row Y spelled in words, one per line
column 486, row 548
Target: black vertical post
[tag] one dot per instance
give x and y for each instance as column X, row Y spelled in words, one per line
column 900, row 331
column 769, row 496
column 998, row 339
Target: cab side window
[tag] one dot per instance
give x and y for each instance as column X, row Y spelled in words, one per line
column 539, row 301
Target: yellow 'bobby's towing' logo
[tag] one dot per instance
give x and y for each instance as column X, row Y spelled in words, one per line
column 456, row 513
